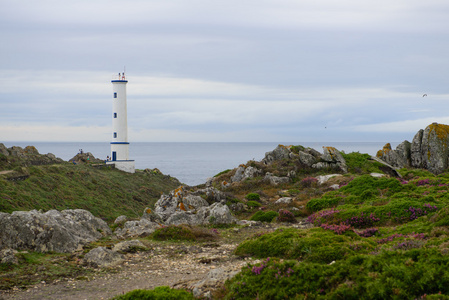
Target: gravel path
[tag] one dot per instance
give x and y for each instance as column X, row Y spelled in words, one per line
column 176, row 266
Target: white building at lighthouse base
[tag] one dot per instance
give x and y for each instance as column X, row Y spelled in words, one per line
column 123, row 165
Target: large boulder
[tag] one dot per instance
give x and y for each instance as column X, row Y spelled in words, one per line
column 243, row 172
column 59, row 231
column 435, row 148
column 333, row 159
column 279, row 153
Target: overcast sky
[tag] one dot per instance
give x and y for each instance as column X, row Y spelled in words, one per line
column 234, row 71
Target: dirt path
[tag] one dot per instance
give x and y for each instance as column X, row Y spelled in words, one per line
column 171, row 265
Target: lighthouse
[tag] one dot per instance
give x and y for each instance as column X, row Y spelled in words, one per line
column 119, row 143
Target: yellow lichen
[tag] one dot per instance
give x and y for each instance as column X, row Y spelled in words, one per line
column 182, row 207
column 385, row 150
column 149, row 211
column 178, row 191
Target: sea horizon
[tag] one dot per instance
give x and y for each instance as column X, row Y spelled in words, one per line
column 192, row 163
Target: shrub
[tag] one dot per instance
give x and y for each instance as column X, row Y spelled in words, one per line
column 158, row 293
column 184, row 233
column 286, row 216
column 253, row 196
column 309, row 182
column 388, row 275
column 361, row 163
column 316, row 245
column 263, row 216
column 253, row 204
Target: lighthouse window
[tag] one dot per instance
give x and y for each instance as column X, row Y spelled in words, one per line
column 115, row 135
column 115, row 95
column 115, row 115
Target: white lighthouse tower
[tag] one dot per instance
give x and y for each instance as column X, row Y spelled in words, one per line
column 119, row 143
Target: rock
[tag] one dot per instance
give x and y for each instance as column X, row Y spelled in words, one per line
column 275, row 180
column 388, row 169
column 428, row 150
column 29, row 156
column 167, row 204
column 404, row 152
column 8, row 256
column 141, row 228
column 85, row 158
column 180, row 200
column 103, row 257
column 238, row 175
column 129, row 246
column 237, row 207
column 279, row 153
column 211, row 195
column 335, row 186
column 435, row 149
column 397, row 158
column 213, row 279
column 59, row 231
column 151, row 216
column 217, row 213
column 4, row 150
column 120, row 219
column 377, row 175
column 307, row 158
column 334, row 158
column 416, row 150
column 284, row 200
column 324, row 178
column 243, row 172
column 184, row 217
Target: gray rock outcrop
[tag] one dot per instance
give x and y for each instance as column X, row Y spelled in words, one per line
column 8, row 256
column 330, row 159
column 429, row 150
column 29, row 156
column 129, row 246
column 398, row 158
column 103, row 257
column 140, row 228
column 59, row 231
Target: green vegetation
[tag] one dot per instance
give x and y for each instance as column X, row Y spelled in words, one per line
column 377, row 237
column 264, row 216
column 253, row 204
column 361, row 163
column 107, row 193
column 158, row 293
column 36, row 267
column 253, row 197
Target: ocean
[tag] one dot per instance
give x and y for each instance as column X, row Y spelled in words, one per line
column 191, row 163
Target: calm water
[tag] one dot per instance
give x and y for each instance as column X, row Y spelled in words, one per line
column 191, row 163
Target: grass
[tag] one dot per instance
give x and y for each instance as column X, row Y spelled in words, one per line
column 107, row 193
column 36, row 267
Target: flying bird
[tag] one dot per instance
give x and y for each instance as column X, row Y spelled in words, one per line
column 424, row 95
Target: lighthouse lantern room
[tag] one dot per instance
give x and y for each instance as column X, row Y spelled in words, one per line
column 119, row 144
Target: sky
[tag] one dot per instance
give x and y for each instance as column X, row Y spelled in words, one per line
column 224, row 71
